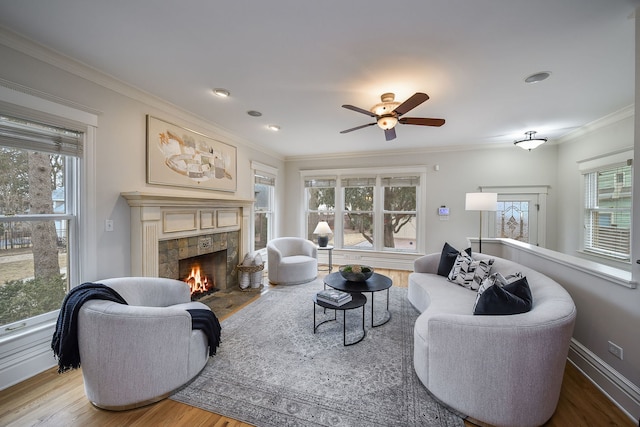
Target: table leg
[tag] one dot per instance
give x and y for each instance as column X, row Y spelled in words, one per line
column 389, row 318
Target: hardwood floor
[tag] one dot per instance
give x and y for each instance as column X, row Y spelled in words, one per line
column 49, row 399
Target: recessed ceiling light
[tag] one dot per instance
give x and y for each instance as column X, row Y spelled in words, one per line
column 538, row 77
column 222, row 93
column 274, row 128
column 254, row 113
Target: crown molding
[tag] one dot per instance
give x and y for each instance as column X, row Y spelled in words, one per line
column 616, row 116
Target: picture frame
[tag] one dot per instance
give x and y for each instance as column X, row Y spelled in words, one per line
column 181, row 157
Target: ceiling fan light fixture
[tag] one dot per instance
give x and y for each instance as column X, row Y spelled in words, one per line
column 530, row 142
column 387, row 122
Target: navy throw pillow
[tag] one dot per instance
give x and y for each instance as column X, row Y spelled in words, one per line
column 514, row 298
column 448, row 258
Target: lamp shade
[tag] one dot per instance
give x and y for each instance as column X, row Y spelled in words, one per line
column 481, row 202
column 322, row 228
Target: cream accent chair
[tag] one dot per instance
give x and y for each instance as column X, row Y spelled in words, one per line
column 137, row 354
column 292, row 261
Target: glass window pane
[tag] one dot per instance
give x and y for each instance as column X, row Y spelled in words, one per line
column 400, row 232
column 321, row 199
column 312, row 221
column 34, row 264
column 262, row 196
column 358, row 198
column 358, row 231
column 400, row 199
column 512, row 220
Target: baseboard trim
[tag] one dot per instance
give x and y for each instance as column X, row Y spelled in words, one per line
column 622, row 392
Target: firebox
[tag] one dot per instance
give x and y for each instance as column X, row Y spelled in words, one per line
column 205, row 274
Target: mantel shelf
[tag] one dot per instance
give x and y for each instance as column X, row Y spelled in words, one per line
column 139, row 199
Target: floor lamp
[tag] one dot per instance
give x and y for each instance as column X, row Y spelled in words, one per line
column 481, row 202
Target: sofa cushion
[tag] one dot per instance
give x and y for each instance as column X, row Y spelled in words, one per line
column 448, row 258
column 511, row 298
column 468, row 272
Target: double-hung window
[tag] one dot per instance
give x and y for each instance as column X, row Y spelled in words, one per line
column 264, row 193
column 399, row 225
column 39, row 166
column 320, row 202
column 358, row 212
column 607, row 211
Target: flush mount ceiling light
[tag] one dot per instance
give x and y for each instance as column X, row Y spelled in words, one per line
column 254, row 113
column 274, row 128
column 537, row 77
column 222, row 93
column 530, row 142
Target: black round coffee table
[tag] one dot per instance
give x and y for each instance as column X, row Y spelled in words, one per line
column 357, row 300
column 375, row 283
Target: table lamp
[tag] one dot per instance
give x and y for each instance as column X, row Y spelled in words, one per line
column 322, row 230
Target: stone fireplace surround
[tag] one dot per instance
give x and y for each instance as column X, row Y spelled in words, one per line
column 167, row 228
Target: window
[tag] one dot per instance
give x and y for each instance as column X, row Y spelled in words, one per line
column 358, row 213
column 320, row 202
column 39, row 164
column 375, row 210
column 264, row 192
column 400, row 212
column 607, row 214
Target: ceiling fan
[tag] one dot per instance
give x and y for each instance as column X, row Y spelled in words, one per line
column 388, row 113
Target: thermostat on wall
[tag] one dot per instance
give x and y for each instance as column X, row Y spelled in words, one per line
column 443, row 211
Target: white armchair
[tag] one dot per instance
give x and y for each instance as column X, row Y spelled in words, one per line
column 291, row 261
column 133, row 355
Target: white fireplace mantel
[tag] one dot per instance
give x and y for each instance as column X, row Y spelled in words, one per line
column 156, row 217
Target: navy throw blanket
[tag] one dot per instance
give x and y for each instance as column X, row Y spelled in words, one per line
column 65, row 338
column 208, row 322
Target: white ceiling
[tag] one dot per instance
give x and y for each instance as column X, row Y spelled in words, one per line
column 298, row 61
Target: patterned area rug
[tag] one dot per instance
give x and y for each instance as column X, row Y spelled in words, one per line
column 272, row 370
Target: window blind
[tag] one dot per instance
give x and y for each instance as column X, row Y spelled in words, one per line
column 608, row 201
column 28, row 135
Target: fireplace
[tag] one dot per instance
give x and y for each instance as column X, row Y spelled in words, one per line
column 167, row 230
column 215, row 254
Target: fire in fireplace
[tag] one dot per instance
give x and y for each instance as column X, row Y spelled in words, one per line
column 205, row 274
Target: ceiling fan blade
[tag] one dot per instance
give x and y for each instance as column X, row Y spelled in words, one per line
column 358, row 110
column 421, row 121
column 411, row 103
column 390, row 134
column 358, row 127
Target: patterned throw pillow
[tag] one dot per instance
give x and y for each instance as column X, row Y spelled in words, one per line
column 468, row 272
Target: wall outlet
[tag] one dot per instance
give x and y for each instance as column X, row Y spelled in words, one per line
column 616, row 350
column 108, row 225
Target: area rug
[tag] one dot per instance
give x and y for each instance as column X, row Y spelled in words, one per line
column 272, row 370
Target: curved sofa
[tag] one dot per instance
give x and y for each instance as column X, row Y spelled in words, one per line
column 136, row 354
column 502, row 370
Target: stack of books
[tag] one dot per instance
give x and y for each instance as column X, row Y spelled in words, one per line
column 333, row 296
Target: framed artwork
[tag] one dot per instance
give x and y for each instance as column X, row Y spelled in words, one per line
column 181, row 157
